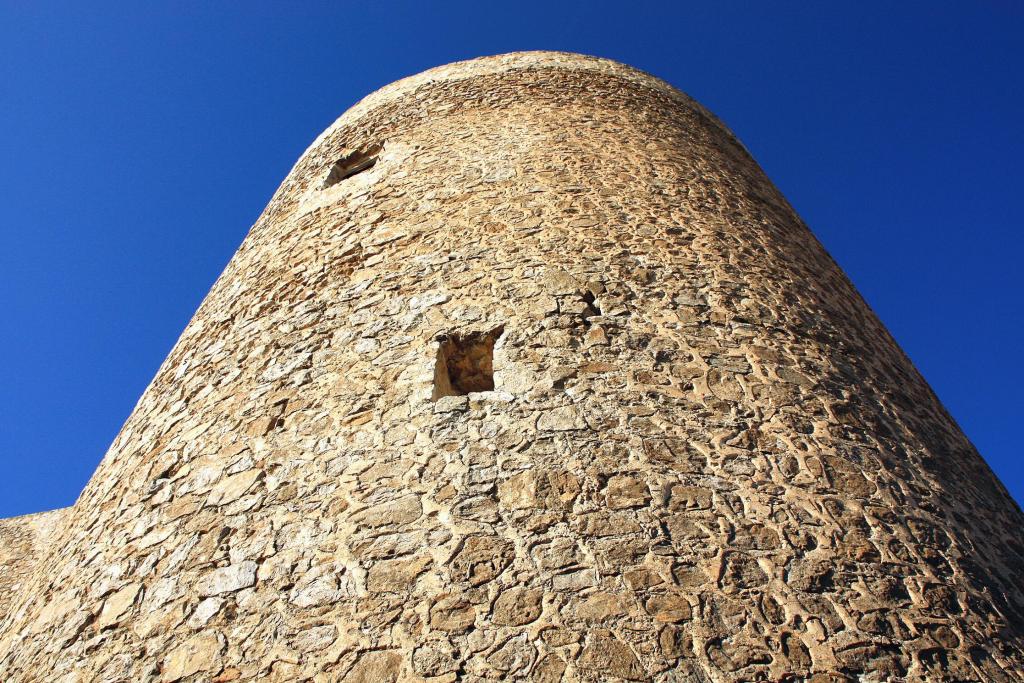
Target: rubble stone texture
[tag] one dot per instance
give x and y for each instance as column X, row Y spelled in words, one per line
column 703, row 457
column 22, row 541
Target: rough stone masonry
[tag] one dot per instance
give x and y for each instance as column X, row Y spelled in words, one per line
column 528, row 373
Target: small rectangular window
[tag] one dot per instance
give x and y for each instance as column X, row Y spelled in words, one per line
column 465, row 363
column 351, row 164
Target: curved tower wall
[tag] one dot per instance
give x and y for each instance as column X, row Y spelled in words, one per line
column 703, row 457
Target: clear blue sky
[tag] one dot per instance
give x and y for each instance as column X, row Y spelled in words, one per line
column 138, row 142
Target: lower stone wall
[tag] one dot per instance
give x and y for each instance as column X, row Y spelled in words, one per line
column 22, row 541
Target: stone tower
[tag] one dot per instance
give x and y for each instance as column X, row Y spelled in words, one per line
column 527, row 372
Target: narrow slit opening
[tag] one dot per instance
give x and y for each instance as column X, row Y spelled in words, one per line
column 352, row 164
column 592, row 309
column 465, row 363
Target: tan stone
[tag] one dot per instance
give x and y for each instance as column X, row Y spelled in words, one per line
column 549, row 670
column 227, row 579
column 396, row 575
column 547, row 489
column 517, row 607
column 229, row 674
column 117, row 605
column 689, row 498
column 234, row 487
column 668, row 607
column 452, row 613
column 638, row 579
column 376, row 666
column 200, row 653
column 400, row 511
column 481, row 559
column 599, row 606
column 675, row 642
column 435, row 657
column 608, row 655
column 565, row 418
column 626, row 491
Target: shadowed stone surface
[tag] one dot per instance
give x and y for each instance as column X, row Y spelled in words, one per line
column 702, row 459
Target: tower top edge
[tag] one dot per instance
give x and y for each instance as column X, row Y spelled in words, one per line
column 30, row 517
column 498, row 64
column 515, row 61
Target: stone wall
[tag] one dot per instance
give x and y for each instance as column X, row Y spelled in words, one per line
column 703, row 457
column 22, row 540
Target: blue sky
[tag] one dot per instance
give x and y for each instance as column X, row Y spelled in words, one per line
column 138, row 142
